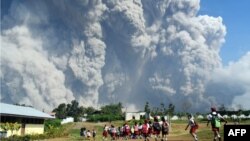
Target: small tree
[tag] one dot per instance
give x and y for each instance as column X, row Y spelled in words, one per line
column 146, row 108
column 90, row 110
column 61, row 112
column 74, row 110
column 171, row 108
column 112, row 109
column 162, row 109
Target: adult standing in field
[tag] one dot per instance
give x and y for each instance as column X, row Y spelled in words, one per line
column 193, row 127
column 215, row 118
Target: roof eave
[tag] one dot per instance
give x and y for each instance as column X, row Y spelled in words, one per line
column 25, row 116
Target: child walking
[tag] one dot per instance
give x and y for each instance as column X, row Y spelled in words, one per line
column 215, row 118
column 193, row 127
column 93, row 134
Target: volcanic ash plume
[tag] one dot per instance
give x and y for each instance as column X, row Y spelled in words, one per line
column 106, row 51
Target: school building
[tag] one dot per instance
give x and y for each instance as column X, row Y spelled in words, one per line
column 31, row 120
column 134, row 115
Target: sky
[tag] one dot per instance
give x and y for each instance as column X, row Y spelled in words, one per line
column 194, row 54
column 236, row 17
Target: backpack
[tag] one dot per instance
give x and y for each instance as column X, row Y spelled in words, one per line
column 196, row 124
column 136, row 128
column 144, row 129
column 157, row 126
column 112, row 130
column 94, row 133
column 164, row 127
column 215, row 121
column 127, row 128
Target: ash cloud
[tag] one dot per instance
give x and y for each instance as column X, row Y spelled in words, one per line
column 104, row 51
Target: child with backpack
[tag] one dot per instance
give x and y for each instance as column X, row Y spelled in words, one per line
column 165, row 129
column 193, row 127
column 144, row 130
column 126, row 131
column 93, row 134
column 105, row 132
column 140, row 130
column 88, row 134
column 82, row 132
column 215, row 119
column 156, row 128
column 113, row 132
column 150, row 128
column 136, row 130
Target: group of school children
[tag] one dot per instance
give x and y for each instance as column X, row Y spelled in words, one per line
column 85, row 133
column 214, row 118
column 157, row 129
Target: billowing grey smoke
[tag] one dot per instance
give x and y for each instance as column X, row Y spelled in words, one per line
column 103, row 51
column 26, row 73
column 230, row 85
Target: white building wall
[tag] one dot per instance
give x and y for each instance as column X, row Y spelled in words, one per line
column 34, row 129
column 130, row 115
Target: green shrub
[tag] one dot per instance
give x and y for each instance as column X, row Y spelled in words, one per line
column 55, row 123
column 95, row 118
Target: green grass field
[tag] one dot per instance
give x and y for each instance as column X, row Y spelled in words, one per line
column 177, row 133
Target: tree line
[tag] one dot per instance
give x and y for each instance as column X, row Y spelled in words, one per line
column 76, row 111
column 109, row 112
column 113, row 112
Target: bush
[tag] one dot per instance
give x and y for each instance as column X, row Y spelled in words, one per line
column 25, row 138
column 95, row 118
column 52, row 123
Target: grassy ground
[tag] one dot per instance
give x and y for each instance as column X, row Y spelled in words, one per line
column 177, row 132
